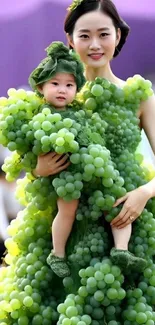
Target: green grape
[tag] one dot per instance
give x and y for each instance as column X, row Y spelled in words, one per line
column 70, row 187
column 109, row 278
column 141, row 318
column 60, row 141
column 39, row 134
column 23, row 320
column 46, row 125
column 89, row 169
column 94, row 152
column 45, row 140
column 71, row 311
column 99, row 172
column 98, row 162
column 67, row 122
column 87, row 319
column 15, row 304
column 90, row 104
column 99, row 295
column 97, row 90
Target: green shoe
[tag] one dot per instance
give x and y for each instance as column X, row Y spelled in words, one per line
column 119, row 257
column 125, row 259
column 58, row 265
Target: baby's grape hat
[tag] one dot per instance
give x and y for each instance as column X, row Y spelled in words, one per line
column 59, row 59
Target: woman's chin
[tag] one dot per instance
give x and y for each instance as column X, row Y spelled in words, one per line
column 97, row 63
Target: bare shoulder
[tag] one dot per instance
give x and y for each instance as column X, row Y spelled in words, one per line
column 147, row 118
column 119, row 82
column 147, row 106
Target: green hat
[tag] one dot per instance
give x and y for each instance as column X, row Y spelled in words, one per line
column 59, row 59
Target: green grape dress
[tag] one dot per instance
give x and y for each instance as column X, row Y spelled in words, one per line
column 101, row 134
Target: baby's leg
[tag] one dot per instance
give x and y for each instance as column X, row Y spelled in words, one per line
column 62, row 225
column 122, row 237
column 61, row 229
column 120, row 254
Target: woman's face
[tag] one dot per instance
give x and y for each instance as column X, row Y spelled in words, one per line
column 95, row 38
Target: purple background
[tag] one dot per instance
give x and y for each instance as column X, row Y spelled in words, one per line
column 28, row 26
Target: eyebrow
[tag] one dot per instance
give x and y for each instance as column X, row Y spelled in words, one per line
column 99, row 30
column 70, row 81
column 57, row 79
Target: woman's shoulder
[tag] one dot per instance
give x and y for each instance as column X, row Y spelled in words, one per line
column 144, row 89
column 119, row 82
column 140, row 80
column 148, row 105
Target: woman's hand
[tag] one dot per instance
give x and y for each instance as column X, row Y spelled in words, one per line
column 135, row 202
column 51, row 164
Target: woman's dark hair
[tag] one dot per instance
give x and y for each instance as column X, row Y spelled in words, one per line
column 106, row 6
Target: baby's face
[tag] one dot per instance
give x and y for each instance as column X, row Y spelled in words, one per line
column 60, row 90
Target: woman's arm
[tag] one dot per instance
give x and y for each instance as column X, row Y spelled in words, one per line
column 147, row 118
column 135, row 201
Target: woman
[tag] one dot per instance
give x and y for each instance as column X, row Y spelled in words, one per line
column 97, row 44
column 101, row 294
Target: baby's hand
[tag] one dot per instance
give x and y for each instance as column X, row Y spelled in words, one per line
column 51, row 164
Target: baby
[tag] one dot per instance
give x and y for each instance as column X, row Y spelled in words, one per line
column 58, row 78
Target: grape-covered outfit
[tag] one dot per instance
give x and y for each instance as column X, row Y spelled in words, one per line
column 59, row 61
column 98, row 292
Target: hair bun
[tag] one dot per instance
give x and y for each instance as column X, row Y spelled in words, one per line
column 125, row 29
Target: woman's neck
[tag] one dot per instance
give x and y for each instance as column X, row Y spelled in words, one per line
column 104, row 72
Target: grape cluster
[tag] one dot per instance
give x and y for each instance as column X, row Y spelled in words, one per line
column 138, row 311
column 101, row 286
column 12, row 166
column 128, row 165
column 46, row 131
column 137, row 88
column 68, row 185
column 147, row 284
column 117, row 107
column 125, row 131
column 17, row 110
column 92, row 128
column 24, row 281
column 95, row 241
column 92, row 163
column 97, row 93
column 40, row 193
column 143, row 242
column 52, row 132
